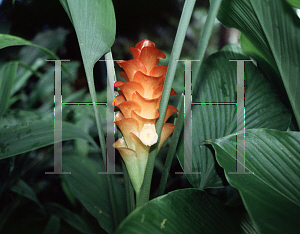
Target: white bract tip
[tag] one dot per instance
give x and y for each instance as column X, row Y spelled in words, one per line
column 148, row 135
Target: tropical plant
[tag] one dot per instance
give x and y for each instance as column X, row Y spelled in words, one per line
column 262, row 198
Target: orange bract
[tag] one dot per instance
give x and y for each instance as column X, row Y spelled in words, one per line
column 138, row 101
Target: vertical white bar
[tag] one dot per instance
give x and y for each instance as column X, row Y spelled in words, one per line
column 240, row 115
column 187, row 118
column 188, row 150
column 110, row 125
column 57, row 121
column 110, row 118
column 240, row 166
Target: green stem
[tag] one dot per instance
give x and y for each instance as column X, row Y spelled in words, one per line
column 101, row 134
column 108, row 57
column 205, row 35
column 173, row 146
column 176, row 50
column 128, row 189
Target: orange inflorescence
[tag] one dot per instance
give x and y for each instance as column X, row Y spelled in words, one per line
column 138, row 102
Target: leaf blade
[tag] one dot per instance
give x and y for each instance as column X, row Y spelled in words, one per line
column 263, row 109
column 92, row 190
column 10, row 40
column 23, row 189
column 273, row 27
column 271, row 195
column 6, row 85
column 32, row 135
column 181, row 211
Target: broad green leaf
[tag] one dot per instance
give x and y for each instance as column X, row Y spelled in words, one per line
column 249, row 48
column 270, row 195
column 9, row 40
column 294, row 3
column 183, row 211
column 274, row 29
column 82, row 225
column 263, row 109
column 91, row 189
column 32, row 135
column 23, row 189
column 7, row 74
column 95, row 25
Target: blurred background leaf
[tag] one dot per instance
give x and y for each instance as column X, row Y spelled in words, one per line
column 91, row 189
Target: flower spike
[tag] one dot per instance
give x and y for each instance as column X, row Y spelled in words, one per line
column 138, row 101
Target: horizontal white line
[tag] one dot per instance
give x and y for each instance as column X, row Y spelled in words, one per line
column 213, row 103
column 77, row 103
